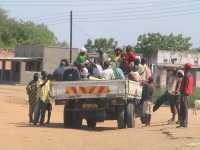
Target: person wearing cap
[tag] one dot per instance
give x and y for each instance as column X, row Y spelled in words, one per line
column 82, row 57
column 147, row 100
column 32, row 92
column 186, row 90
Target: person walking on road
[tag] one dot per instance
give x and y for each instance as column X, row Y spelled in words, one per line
column 186, row 90
column 32, row 91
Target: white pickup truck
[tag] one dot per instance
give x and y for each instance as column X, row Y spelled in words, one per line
column 97, row 101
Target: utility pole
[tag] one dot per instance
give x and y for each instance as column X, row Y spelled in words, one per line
column 70, row 36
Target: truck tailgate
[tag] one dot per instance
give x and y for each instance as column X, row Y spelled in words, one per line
column 89, row 89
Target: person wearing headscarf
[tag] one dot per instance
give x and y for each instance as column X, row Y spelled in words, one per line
column 82, row 57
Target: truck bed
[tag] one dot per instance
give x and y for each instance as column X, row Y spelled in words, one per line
column 91, row 89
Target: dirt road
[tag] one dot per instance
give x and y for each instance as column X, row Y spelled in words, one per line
column 17, row 134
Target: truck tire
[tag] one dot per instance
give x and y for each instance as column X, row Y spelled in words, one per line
column 67, row 118
column 121, row 123
column 76, row 120
column 91, row 123
column 130, row 115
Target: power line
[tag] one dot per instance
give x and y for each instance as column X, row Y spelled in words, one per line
column 113, row 14
column 129, row 19
column 82, row 31
column 140, row 18
column 134, row 10
column 123, row 16
column 140, row 13
column 81, row 3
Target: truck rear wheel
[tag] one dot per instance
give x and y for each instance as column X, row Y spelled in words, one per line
column 130, row 118
column 67, row 118
column 121, row 119
column 76, row 120
column 91, row 123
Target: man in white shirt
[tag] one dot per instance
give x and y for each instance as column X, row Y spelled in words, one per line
column 108, row 73
column 97, row 71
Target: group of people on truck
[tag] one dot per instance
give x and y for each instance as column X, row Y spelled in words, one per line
column 120, row 66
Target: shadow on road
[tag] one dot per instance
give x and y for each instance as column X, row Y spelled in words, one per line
column 61, row 126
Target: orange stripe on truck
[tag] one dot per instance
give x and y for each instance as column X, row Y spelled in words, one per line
column 94, row 90
column 88, row 90
column 71, row 90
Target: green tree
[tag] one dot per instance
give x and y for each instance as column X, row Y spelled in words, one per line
column 151, row 42
column 101, row 44
column 13, row 32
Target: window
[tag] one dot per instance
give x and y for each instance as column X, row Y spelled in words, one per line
column 33, row 66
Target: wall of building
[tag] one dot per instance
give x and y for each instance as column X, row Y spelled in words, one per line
column 25, row 76
column 172, row 57
column 29, row 51
column 52, row 57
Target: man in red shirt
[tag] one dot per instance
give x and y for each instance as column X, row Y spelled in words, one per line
column 186, row 91
column 130, row 55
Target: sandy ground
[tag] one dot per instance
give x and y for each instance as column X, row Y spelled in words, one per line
column 17, row 134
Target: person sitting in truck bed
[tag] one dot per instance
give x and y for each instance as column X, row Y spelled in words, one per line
column 119, row 75
column 133, row 74
column 83, row 71
column 82, row 57
column 108, row 73
column 58, row 73
column 97, row 70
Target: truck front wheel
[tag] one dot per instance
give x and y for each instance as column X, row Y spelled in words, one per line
column 130, row 119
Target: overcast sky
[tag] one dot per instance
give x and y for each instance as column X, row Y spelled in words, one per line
column 123, row 20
